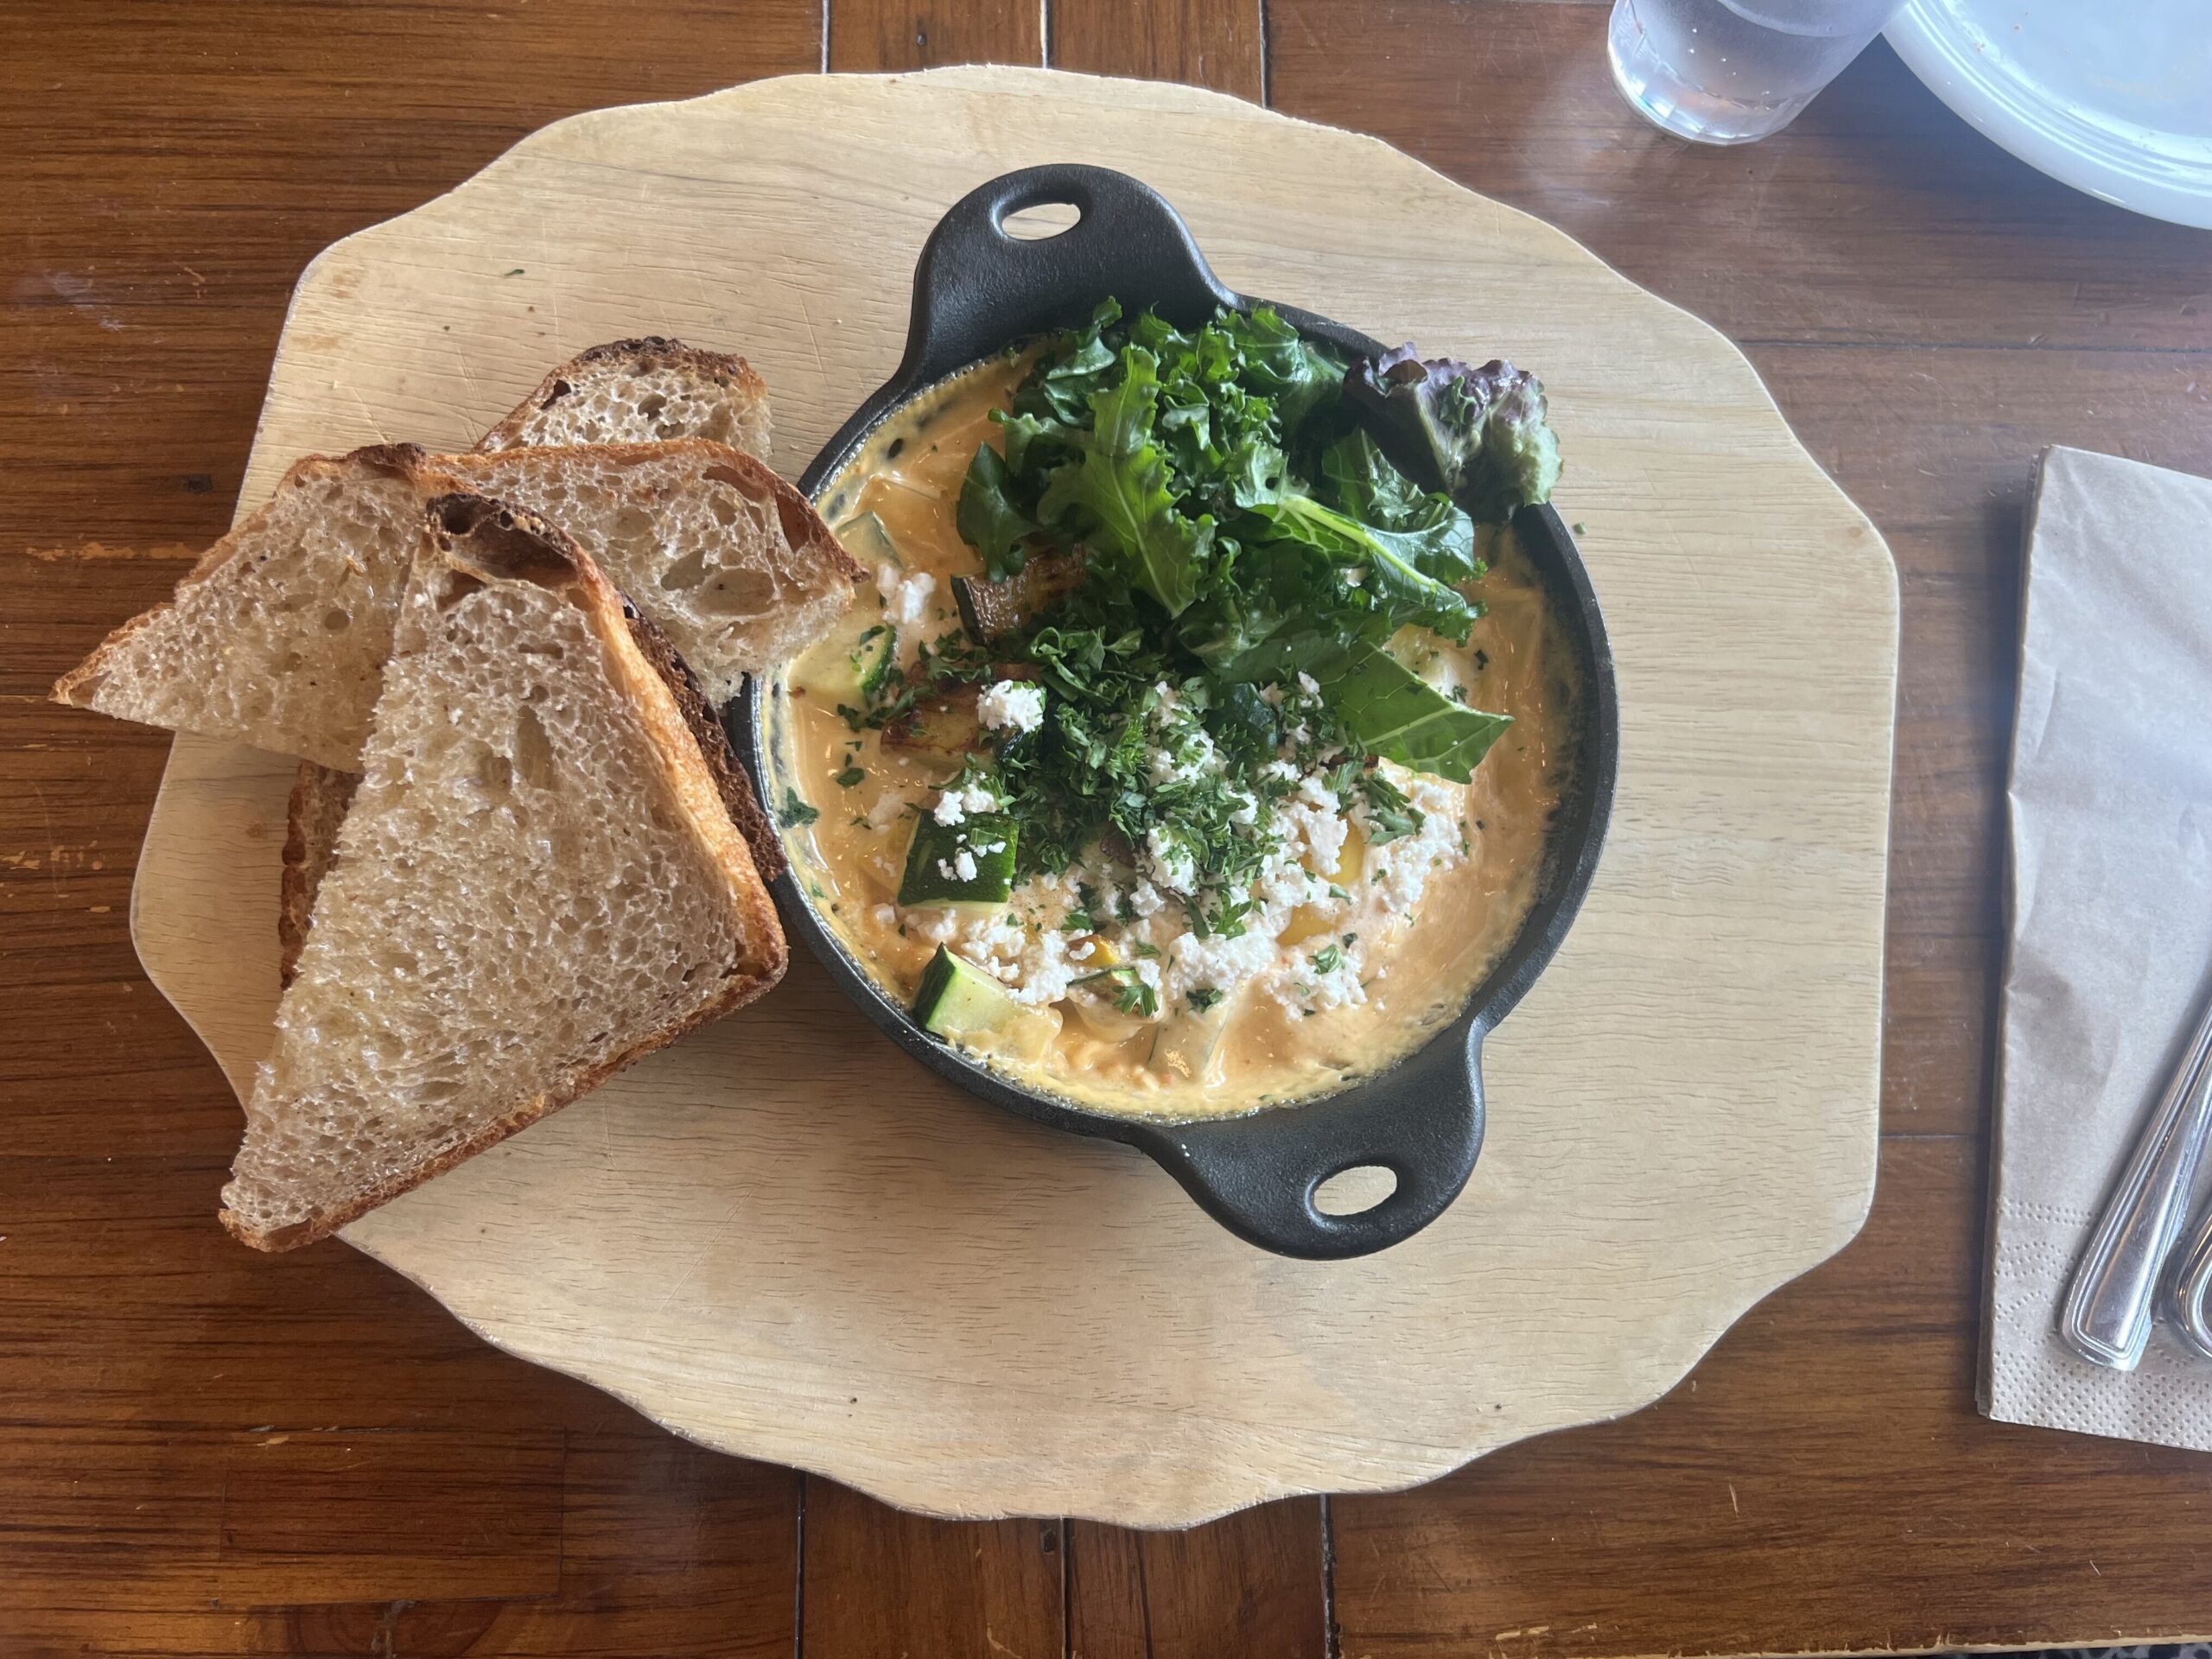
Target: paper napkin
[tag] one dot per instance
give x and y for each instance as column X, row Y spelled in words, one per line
column 2110, row 915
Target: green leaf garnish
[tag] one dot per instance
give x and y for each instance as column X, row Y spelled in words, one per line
column 1133, row 995
column 1254, row 544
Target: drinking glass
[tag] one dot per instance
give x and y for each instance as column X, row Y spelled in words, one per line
column 1727, row 72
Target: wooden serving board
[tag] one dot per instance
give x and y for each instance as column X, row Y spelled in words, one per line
column 783, row 1238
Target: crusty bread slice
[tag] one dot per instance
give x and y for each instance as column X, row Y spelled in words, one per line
column 322, row 795
column 278, row 636
column 536, row 884
column 635, row 389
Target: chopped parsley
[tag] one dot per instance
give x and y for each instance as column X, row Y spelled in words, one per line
column 1202, row 997
column 1389, row 814
column 849, row 778
column 1132, row 995
column 797, row 812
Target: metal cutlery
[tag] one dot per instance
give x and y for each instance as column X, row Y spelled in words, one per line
column 2106, row 1315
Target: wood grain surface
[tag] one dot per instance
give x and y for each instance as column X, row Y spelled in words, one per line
column 1928, row 312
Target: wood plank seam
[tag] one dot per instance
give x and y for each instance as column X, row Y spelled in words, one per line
column 1332, row 1645
column 799, row 1518
column 1266, row 97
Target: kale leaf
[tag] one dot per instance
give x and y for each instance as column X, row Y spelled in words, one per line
column 1401, row 717
column 988, row 518
column 1115, row 501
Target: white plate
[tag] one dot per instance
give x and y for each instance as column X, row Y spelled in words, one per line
column 2113, row 96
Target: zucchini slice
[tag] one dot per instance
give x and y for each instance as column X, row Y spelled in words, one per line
column 959, row 1001
column 991, row 610
column 969, row 864
column 943, row 726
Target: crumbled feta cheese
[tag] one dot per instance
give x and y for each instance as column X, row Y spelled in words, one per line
column 885, row 915
column 959, row 802
column 964, row 865
column 1283, row 883
column 1398, row 871
column 1308, row 685
column 905, row 598
column 1339, row 989
column 889, row 808
column 1147, row 899
column 1169, row 862
column 1036, row 967
column 1011, row 706
column 1217, row 962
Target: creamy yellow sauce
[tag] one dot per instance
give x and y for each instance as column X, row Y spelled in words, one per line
column 1272, row 1050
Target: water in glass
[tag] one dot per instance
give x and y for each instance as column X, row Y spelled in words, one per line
column 1726, row 71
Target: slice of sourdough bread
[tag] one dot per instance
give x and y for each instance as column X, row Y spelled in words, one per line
column 635, row 389
column 278, row 636
column 537, row 883
column 321, row 796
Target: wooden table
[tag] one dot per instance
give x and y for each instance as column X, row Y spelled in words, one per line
column 206, row 1452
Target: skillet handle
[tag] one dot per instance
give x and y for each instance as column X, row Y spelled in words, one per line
column 1422, row 1121
column 977, row 288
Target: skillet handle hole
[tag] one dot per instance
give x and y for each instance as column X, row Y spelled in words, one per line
column 1042, row 222
column 1355, row 1190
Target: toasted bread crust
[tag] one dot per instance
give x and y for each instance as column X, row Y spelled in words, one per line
column 736, row 788
column 643, row 355
column 321, row 796
column 492, row 539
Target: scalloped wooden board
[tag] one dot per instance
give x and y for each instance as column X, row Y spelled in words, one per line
column 782, row 1237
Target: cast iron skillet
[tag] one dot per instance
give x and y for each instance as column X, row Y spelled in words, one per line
column 978, row 290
